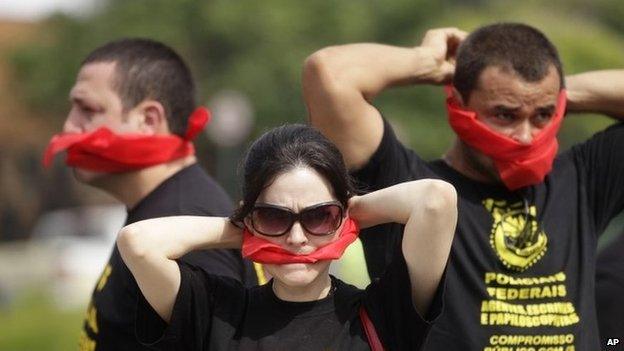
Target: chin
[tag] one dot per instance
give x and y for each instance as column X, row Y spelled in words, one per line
column 88, row 177
column 482, row 164
column 297, row 274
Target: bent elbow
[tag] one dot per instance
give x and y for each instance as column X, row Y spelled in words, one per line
column 130, row 244
column 320, row 69
column 317, row 62
column 440, row 199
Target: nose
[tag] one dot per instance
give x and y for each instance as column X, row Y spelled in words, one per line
column 523, row 133
column 70, row 125
column 296, row 236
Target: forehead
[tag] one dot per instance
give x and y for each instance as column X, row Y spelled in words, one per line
column 297, row 188
column 94, row 78
column 502, row 86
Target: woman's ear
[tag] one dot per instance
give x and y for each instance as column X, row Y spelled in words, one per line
column 247, row 223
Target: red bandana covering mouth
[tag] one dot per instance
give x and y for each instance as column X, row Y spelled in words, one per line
column 261, row 250
column 104, row 151
column 518, row 164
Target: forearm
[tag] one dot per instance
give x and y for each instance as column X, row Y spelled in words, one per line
column 340, row 82
column 172, row 237
column 427, row 240
column 150, row 247
column 370, row 68
column 393, row 204
column 428, row 208
column 597, row 92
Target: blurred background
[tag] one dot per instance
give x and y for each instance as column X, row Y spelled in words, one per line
column 246, row 55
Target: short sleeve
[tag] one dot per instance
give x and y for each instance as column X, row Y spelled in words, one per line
column 192, row 315
column 602, row 160
column 392, row 163
column 222, row 262
column 389, row 303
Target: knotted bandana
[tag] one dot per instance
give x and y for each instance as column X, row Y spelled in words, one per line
column 104, row 151
column 518, row 164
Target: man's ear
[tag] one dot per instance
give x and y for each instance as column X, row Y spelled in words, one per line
column 153, row 118
column 458, row 97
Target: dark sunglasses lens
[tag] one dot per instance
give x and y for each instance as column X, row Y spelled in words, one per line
column 270, row 221
column 322, row 220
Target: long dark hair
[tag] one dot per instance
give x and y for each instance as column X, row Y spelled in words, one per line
column 284, row 148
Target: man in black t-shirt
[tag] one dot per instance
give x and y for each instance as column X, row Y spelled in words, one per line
column 521, row 272
column 129, row 134
column 609, row 294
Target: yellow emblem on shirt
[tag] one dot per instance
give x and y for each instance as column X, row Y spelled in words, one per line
column 516, row 236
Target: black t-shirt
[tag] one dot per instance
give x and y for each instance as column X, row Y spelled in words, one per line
column 511, row 286
column 109, row 322
column 610, row 295
column 218, row 313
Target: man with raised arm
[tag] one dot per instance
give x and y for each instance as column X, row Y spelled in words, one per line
column 129, row 133
column 521, row 272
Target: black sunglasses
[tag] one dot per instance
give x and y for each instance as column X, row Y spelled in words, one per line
column 320, row 219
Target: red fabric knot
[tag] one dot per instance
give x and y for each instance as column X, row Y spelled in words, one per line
column 196, row 122
column 104, row 151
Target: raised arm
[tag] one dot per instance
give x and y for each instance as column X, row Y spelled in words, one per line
column 340, row 82
column 150, row 247
column 428, row 208
column 598, row 92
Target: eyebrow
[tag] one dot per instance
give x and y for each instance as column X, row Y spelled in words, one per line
column 548, row 109
column 268, row 204
column 503, row 108
column 79, row 100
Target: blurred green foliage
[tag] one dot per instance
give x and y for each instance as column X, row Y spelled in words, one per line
column 258, row 48
column 34, row 323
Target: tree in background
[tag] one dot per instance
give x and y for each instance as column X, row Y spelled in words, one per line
column 257, row 48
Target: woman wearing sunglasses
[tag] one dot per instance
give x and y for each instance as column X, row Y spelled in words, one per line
column 297, row 214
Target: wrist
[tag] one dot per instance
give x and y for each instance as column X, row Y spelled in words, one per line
column 428, row 69
column 236, row 223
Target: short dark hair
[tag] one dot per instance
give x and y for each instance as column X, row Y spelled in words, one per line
column 147, row 69
column 284, row 148
column 515, row 46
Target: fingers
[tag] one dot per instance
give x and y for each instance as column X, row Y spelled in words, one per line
column 442, row 44
column 443, row 41
column 445, row 73
column 453, row 42
column 352, row 201
column 353, row 208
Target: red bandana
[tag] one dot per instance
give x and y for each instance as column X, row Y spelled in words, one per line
column 104, row 151
column 261, row 250
column 518, row 165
